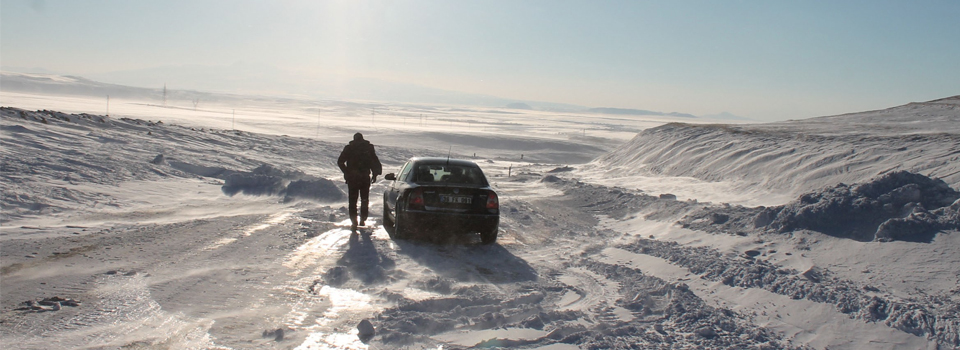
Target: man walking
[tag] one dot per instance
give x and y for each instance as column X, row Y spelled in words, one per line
column 357, row 162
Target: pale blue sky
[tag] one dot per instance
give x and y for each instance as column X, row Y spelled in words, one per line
column 766, row 60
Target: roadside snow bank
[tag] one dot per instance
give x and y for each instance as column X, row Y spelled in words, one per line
column 898, row 206
column 892, row 207
column 267, row 181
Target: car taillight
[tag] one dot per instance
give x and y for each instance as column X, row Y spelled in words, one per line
column 416, row 200
column 493, row 203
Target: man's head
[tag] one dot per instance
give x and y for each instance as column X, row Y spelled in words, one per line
column 357, row 137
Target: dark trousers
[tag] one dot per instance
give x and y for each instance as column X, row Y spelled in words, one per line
column 359, row 189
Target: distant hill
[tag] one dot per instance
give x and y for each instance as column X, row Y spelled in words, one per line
column 519, row 105
column 79, row 86
column 207, row 84
column 627, row 111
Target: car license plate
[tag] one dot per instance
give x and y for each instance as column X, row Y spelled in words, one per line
column 456, row 199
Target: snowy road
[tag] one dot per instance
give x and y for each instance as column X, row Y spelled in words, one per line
column 297, row 279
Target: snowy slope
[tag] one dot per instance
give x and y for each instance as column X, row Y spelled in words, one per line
column 56, row 163
column 786, row 159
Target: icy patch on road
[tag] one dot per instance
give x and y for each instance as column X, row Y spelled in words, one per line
column 491, row 337
column 340, row 341
column 342, row 301
column 274, row 220
column 316, row 248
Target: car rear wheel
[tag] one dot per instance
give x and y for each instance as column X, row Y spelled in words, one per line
column 489, row 237
column 400, row 231
column 387, row 221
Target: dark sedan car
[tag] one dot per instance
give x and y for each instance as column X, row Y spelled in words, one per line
column 445, row 196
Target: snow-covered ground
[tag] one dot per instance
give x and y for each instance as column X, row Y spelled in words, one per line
column 223, row 226
column 775, row 162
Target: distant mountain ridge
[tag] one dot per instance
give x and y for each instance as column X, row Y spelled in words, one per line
column 628, row 111
column 199, row 77
column 79, row 86
column 209, row 83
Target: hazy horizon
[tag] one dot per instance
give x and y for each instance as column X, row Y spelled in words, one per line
column 764, row 61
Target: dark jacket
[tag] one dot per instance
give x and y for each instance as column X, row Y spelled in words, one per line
column 358, row 161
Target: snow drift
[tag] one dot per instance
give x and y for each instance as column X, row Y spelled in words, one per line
column 894, row 206
column 50, row 158
column 900, row 206
column 801, row 156
column 266, row 180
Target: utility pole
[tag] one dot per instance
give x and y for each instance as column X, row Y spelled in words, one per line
column 164, row 94
column 108, row 105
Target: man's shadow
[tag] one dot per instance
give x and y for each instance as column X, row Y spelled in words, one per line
column 463, row 259
column 363, row 261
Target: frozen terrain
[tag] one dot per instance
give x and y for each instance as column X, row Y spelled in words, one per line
column 778, row 161
column 223, row 226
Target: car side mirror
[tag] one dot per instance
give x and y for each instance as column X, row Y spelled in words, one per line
column 390, row 177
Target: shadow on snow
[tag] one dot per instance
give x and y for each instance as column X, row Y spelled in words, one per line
column 464, row 259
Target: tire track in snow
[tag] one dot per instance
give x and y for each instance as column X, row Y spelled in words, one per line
column 801, row 321
column 122, row 313
column 594, row 295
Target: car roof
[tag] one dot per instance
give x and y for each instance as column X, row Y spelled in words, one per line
column 441, row 161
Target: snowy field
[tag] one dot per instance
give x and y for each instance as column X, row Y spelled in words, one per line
column 223, row 225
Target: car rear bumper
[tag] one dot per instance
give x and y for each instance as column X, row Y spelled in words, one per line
column 450, row 222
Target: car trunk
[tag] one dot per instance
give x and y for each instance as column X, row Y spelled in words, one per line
column 455, row 199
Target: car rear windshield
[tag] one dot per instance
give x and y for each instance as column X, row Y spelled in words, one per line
column 449, row 174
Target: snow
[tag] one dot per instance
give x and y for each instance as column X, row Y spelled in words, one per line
column 782, row 160
column 811, row 323
column 237, row 237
